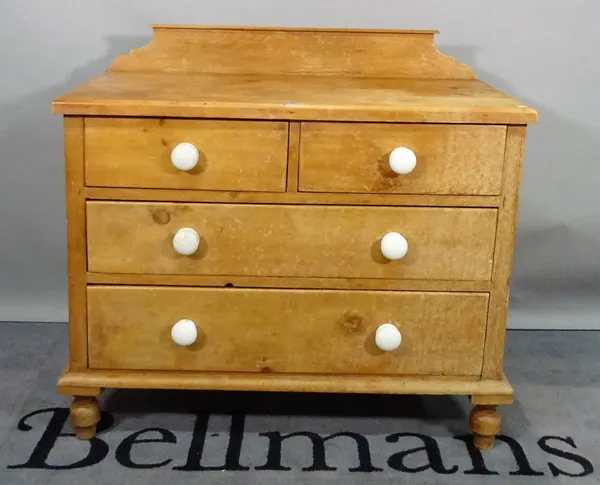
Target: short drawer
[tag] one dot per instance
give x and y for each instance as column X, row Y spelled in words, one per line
column 295, row 241
column 293, row 331
column 231, row 155
column 355, row 158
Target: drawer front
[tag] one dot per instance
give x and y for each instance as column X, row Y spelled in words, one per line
column 294, row 331
column 232, row 155
column 355, row 157
column 278, row 240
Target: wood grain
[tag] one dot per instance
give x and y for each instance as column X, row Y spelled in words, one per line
column 293, row 157
column 76, row 241
column 291, row 198
column 287, row 282
column 293, row 98
column 354, row 157
column 166, row 195
column 79, row 391
column 490, row 399
column 296, row 331
column 282, row 51
column 265, row 28
column 244, row 381
column 485, row 425
column 306, row 241
column 239, row 155
column 503, row 254
column 85, row 414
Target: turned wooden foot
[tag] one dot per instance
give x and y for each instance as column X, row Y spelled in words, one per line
column 85, row 414
column 485, row 425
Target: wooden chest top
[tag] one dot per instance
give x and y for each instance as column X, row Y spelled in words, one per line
column 293, row 74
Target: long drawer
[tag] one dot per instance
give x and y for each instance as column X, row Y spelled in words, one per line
column 231, row 155
column 355, row 157
column 293, row 331
column 295, row 241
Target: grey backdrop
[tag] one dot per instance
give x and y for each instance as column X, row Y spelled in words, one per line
column 542, row 52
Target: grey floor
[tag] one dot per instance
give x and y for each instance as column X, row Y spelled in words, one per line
column 552, row 431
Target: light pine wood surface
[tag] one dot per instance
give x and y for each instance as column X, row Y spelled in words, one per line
column 379, row 384
column 230, row 281
column 300, row 331
column 485, row 425
column 234, row 155
column 503, row 253
column 306, row 241
column 294, row 51
column 293, row 156
column 354, row 157
column 293, row 74
column 292, row 97
column 85, row 414
column 308, row 198
column 291, row 197
column 76, row 241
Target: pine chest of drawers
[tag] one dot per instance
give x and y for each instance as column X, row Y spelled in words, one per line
column 290, row 210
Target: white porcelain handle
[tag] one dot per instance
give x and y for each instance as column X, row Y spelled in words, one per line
column 394, row 246
column 186, row 241
column 388, row 337
column 402, row 160
column 184, row 333
column 185, row 156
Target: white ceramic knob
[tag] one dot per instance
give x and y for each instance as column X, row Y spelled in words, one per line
column 185, row 156
column 388, row 337
column 394, row 246
column 186, row 241
column 184, row 333
column 402, row 160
